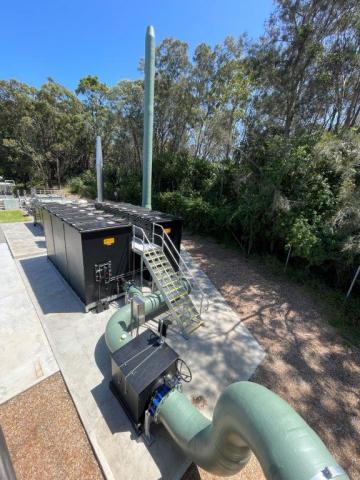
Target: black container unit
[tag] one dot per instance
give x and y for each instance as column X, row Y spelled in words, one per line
column 37, row 212
column 138, row 369
column 92, row 244
column 148, row 219
column 49, row 236
column 92, row 254
column 60, row 257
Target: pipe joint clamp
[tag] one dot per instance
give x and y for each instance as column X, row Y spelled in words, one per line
column 157, row 399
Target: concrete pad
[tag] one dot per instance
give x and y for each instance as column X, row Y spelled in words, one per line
column 218, row 354
column 78, row 343
column 221, row 352
column 24, row 239
column 25, row 355
column 2, row 236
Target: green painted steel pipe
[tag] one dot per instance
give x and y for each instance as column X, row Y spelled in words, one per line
column 99, row 169
column 117, row 332
column 148, row 115
column 248, row 417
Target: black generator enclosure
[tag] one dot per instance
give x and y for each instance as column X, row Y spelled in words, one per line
column 137, row 370
column 149, row 221
column 91, row 246
column 37, row 212
column 92, row 255
column 49, row 236
column 144, row 218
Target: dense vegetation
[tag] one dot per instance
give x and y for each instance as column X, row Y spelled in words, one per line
column 258, row 141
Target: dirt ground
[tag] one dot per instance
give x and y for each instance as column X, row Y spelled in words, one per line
column 252, row 471
column 45, row 437
column 307, row 363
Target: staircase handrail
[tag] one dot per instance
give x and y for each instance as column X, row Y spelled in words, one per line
column 182, row 262
column 144, row 238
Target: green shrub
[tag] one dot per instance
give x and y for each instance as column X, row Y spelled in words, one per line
column 76, row 185
column 122, row 184
column 200, row 216
column 84, row 185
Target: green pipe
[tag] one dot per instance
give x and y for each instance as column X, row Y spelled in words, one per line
column 99, row 169
column 248, row 417
column 148, row 115
column 117, row 332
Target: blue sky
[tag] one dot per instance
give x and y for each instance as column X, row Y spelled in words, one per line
column 67, row 40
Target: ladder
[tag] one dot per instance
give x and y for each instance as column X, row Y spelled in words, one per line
column 173, row 283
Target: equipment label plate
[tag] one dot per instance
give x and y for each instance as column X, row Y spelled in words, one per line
column 109, row 241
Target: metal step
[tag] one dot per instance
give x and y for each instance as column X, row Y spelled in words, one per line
column 191, row 329
column 170, row 284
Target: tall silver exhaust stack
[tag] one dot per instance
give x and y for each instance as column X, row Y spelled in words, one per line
column 148, row 115
column 99, row 167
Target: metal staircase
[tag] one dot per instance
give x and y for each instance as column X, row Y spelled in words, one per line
column 173, row 283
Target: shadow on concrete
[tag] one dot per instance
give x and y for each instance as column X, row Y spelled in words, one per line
column 35, row 230
column 53, row 294
column 117, row 420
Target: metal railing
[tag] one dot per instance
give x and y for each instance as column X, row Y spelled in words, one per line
column 151, row 250
column 47, row 191
column 167, row 245
column 144, row 241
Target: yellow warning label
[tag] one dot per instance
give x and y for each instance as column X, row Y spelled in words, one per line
column 109, row 241
column 167, row 230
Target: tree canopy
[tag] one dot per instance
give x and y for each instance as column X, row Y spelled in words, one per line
column 259, row 140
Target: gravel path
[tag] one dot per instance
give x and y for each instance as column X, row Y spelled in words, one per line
column 307, row 363
column 45, row 437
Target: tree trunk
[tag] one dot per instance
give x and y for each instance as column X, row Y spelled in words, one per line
column 58, row 172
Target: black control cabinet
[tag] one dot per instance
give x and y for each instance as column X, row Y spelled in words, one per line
column 137, row 371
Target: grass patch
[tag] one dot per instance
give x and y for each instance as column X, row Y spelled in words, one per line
column 341, row 313
column 12, row 216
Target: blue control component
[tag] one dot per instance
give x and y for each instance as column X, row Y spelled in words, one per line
column 158, row 396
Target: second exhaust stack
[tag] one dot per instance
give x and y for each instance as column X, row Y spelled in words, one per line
column 148, row 115
column 99, row 167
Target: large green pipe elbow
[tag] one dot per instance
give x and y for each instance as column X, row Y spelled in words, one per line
column 117, row 332
column 248, row 417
